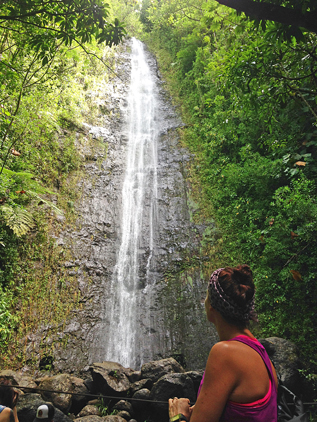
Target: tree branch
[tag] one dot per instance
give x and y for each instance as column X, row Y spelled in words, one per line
column 272, row 12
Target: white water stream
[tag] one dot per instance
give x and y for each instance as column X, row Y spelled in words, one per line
column 138, row 220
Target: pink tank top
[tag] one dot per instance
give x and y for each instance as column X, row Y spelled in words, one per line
column 263, row 410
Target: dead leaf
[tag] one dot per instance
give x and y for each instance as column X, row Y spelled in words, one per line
column 300, row 163
column 2, row 200
column 296, row 275
column 271, row 222
column 15, row 152
column 293, row 235
column 20, row 191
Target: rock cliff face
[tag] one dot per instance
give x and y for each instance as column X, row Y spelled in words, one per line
column 171, row 314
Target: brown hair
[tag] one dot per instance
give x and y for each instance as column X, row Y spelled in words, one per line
column 7, row 393
column 238, row 286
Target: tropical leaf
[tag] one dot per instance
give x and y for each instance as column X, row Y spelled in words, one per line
column 18, row 219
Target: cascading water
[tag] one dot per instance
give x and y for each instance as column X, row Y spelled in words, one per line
column 139, row 202
column 136, row 248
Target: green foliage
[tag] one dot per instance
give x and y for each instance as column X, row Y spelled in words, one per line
column 48, row 87
column 104, row 409
column 18, row 219
column 49, row 23
column 8, row 320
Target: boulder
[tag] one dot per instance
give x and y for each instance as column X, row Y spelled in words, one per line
column 125, row 415
column 196, row 377
column 156, row 369
column 89, row 418
column 113, row 418
column 169, row 386
column 110, row 378
column 11, row 376
column 135, row 376
column 283, row 354
column 145, row 383
column 28, row 404
column 27, row 382
column 143, row 394
column 61, row 382
column 79, row 398
column 89, row 410
column 132, row 375
column 124, row 405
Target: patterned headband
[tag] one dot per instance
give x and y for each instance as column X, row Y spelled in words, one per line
column 225, row 305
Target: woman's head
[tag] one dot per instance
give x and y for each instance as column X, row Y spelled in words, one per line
column 7, row 393
column 231, row 293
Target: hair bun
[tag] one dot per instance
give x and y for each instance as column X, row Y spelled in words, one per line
column 238, row 284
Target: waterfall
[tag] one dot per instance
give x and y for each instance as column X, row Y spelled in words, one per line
column 131, row 278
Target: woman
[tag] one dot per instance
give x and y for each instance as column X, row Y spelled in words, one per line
column 240, row 382
column 8, row 401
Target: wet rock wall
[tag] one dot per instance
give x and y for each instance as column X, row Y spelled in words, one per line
column 172, row 320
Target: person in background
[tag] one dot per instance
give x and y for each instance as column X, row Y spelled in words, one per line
column 45, row 413
column 8, row 401
column 239, row 382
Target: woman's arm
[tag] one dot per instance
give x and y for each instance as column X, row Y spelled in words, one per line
column 221, row 378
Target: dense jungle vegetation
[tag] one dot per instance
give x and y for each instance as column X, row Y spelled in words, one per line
column 54, row 57
column 246, row 85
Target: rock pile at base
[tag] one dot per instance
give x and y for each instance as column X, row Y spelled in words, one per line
column 111, row 393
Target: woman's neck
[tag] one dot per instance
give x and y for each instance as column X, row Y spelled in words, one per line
column 228, row 331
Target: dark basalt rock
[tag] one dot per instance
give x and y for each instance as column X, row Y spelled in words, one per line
column 125, row 415
column 284, row 355
column 145, row 383
column 28, row 404
column 168, row 386
column 89, row 418
column 140, row 395
column 113, row 418
column 196, row 377
column 124, row 405
column 146, row 404
column 65, row 402
column 110, row 378
column 155, row 370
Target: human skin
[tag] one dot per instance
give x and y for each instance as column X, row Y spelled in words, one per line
column 234, row 371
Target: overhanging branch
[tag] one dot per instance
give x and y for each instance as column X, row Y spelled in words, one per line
column 272, row 12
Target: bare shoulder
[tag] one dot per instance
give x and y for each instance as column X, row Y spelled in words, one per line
column 223, row 349
column 5, row 415
column 231, row 354
column 222, row 355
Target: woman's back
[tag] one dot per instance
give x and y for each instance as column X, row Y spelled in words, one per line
column 254, row 397
column 254, row 377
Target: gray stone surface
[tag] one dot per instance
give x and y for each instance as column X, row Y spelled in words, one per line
column 172, row 320
column 156, row 369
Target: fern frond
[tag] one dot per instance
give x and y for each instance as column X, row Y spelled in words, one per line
column 27, row 180
column 18, row 219
column 20, row 174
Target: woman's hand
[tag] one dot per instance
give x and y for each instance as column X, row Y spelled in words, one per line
column 177, row 406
